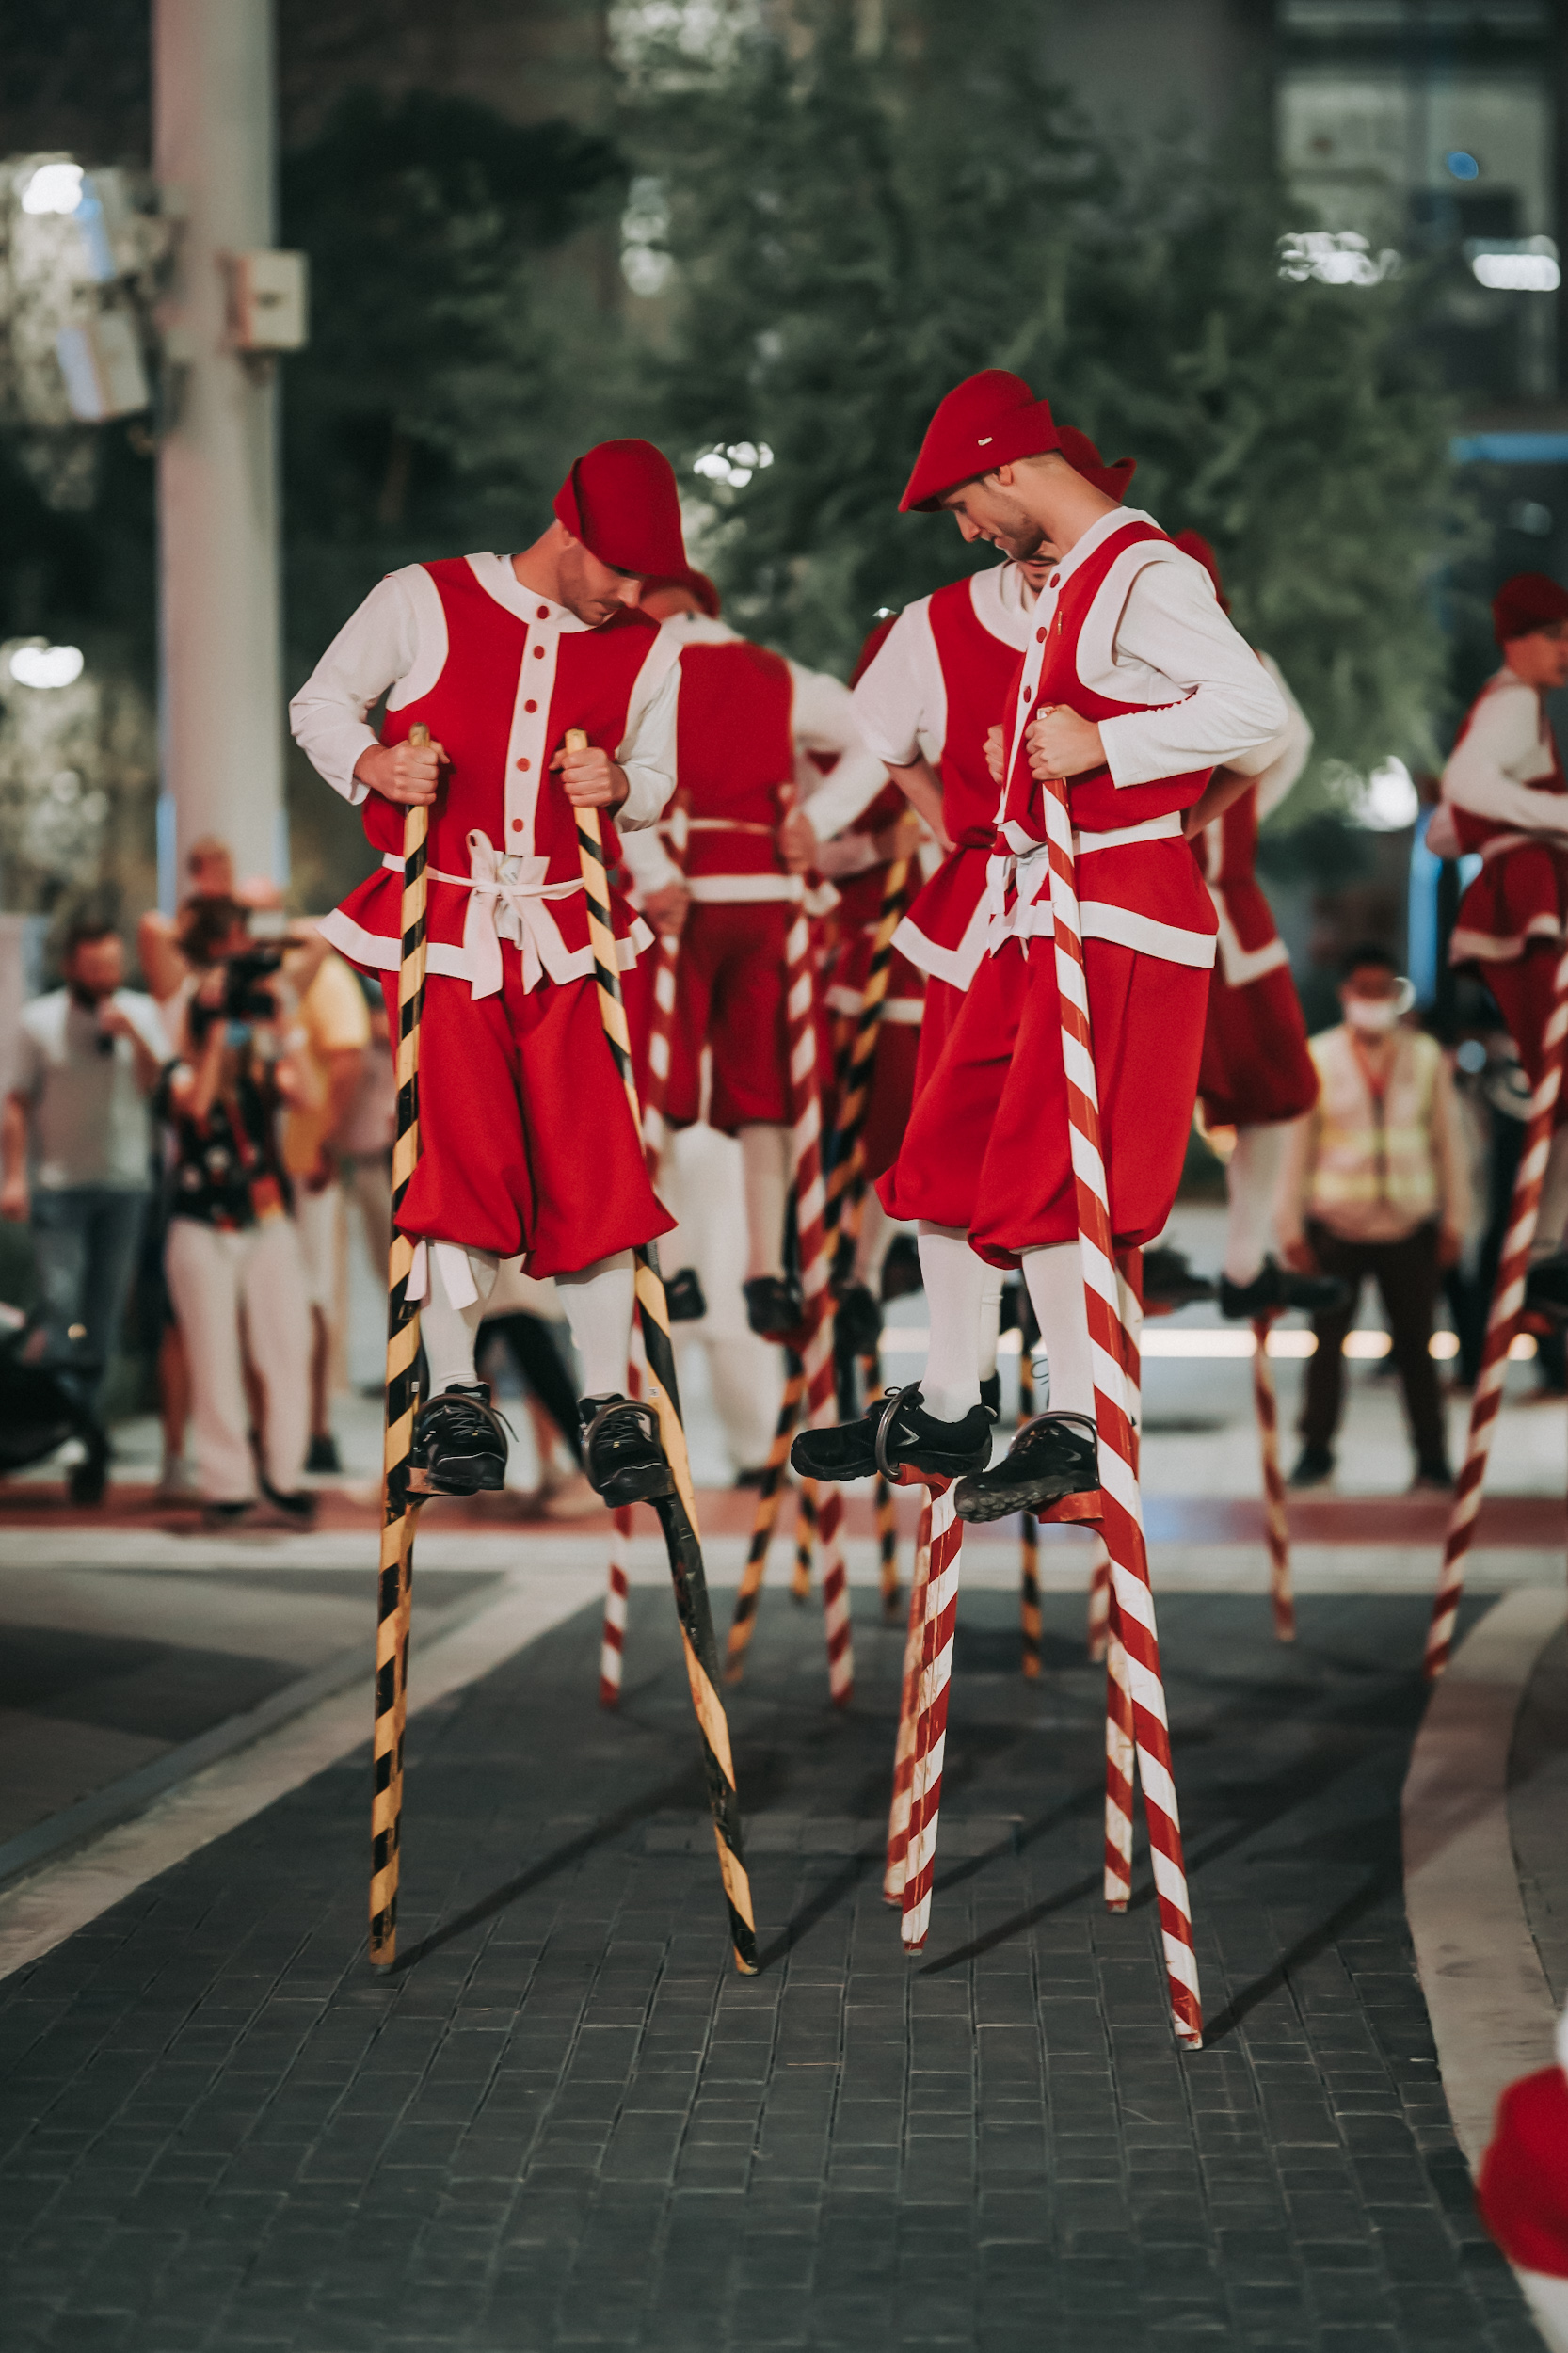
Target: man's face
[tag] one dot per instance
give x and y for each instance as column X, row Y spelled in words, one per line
column 988, row 509
column 1542, row 658
column 596, row 592
column 96, row 968
column 212, row 875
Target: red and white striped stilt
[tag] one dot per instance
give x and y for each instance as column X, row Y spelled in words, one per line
column 1100, row 1601
column 612, row 1646
column 1276, row 1526
column 1502, row 1322
column 806, row 1538
column 811, row 1226
column 939, row 1620
column 1132, row 1617
column 1028, row 1545
column 908, row 1716
column 1120, row 1744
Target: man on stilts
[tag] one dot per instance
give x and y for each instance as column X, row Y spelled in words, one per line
column 746, row 716
column 527, row 1142
column 1506, row 794
column 1134, row 687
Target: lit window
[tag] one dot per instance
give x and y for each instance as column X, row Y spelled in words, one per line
column 1334, row 258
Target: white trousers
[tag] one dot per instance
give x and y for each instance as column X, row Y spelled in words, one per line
column 216, row 1279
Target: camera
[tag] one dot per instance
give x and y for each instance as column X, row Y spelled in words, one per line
column 245, row 998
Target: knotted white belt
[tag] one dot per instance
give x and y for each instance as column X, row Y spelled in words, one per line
column 1027, row 874
column 506, row 898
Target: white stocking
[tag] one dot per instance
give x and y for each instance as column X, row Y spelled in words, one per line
column 1554, row 1197
column 1055, row 1279
column 1252, row 1182
column 990, row 1321
column 872, row 1243
column 954, row 1287
column 766, row 1175
column 599, row 1300
column 448, row 1332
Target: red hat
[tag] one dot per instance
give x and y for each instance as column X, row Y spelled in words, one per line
column 699, row 583
column 987, row 422
column 1085, row 459
column 1193, row 543
column 622, row 502
column 1529, row 601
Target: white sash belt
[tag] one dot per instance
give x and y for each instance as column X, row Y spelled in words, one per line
column 507, row 898
column 1028, row 875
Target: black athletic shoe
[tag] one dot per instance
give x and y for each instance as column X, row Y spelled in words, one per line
column 1314, row 1465
column 858, row 1320
column 990, row 1395
column 1169, row 1283
column 623, row 1451
column 684, row 1297
column 1546, row 1287
column 775, row 1306
column 1278, row 1288
column 1054, row 1456
column 323, row 1457
column 300, row 1508
column 897, row 1435
column 459, row 1447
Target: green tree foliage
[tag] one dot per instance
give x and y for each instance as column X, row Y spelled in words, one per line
column 854, row 233
column 446, row 386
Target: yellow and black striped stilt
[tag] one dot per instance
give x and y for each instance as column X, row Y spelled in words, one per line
column 806, row 1538
column 394, row 1594
column 677, row 1512
column 1029, row 1537
column 887, row 1518
column 846, row 1178
column 743, row 1626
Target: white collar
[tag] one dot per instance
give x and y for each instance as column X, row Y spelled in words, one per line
column 700, row 629
column 496, row 577
column 1001, row 603
column 1096, row 537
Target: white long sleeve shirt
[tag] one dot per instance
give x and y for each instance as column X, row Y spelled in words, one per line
column 396, row 640
column 1495, row 768
column 822, row 719
column 901, row 700
column 1277, row 764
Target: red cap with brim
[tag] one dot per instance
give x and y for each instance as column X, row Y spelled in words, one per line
column 622, row 502
column 697, row 584
column 1193, row 543
column 990, row 420
column 1085, row 459
column 1529, row 601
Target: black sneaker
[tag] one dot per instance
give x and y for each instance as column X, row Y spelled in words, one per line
column 1053, row 1458
column 623, row 1451
column 775, row 1306
column 1277, row 1289
column 1314, row 1465
column 685, row 1301
column 898, row 1435
column 298, row 1509
column 459, row 1447
column 990, row 1395
column 856, row 1320
column 323, row 1458
column 1546, row 1287
column 1169, row 1283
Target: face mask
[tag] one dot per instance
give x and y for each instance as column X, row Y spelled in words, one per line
column 1376, row 1016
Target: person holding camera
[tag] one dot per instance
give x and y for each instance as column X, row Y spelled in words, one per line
column 232, row 1255
column 73, row 1146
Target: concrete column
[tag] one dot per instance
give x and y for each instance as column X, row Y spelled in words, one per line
column 222, row 707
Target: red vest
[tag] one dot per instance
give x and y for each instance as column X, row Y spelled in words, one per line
column 1475, row 832
column 735, row 751
column 469, row 711
column 1096, row 801
column 979, row 673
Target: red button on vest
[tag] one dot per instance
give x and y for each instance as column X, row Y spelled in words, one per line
column 538, row 650
column 544, row 612
column 1055, row 582
column 516, row 825
column 1040, row 636
column 530, row 706
column 525, row 763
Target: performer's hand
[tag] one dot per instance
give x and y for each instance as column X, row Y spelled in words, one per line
column 1451, row 1245
column 797, row 842
column 592, row 779
column 995, row 752
column 665, row 909
column 1298, row 1255
column 408, row 773
column 1062, row 745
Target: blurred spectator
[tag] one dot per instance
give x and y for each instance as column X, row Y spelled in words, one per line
column 366, row 1133
column 232, row 1255
column 327, row 1044
column 210, row 870
column 1375, row 1183
column 74, row 1144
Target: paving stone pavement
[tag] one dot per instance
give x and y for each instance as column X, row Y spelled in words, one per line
column 565, row 2121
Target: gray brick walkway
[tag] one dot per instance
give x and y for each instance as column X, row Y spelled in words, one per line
column 565, row 2123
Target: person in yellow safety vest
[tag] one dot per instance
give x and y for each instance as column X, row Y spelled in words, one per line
column 1375, row 1183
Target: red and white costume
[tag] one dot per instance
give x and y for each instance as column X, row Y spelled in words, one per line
column 746, row 719
column 1522, row 2190
column 1127, row 633
column 1255, row 1069
column 940, row 682
column 1504, row 787
column 517, row 1088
